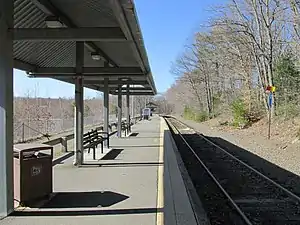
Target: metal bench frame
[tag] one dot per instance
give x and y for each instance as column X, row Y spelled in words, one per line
column 92, row 139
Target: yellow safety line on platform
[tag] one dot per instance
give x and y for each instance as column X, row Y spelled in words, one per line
column 160, row 177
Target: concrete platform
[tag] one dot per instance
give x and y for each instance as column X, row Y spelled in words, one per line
column 137, row 183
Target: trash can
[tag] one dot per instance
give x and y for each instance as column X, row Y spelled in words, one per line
column 32, row 171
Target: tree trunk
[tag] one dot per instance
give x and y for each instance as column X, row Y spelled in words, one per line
column 208, row 94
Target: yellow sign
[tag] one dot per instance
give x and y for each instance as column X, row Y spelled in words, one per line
column 273, row 88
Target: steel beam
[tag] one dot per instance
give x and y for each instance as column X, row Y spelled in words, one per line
column 21, row 65
column 151, row 83
column 106, row 109
column 49, row 9
column 89, row 70
column 137, row 89
column 134, row 93
column 93, row 78
column 123, row 21
column 99, row 84
column 120, row 113
column 120, row 14
column 127, row 106
column 115, row 87
column 116, row 83
column 78, row 140
column 68, row 34
column 6, row 109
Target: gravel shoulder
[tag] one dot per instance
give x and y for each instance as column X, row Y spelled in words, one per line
column 282, row 150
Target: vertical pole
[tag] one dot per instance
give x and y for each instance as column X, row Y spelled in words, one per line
column 120, row 111
column 81, row 115
column 75, row 130
column 269, row 123
column 132, row 108
column 270, row 115
column 23, row 132
column 285, row 103
column 64, row 144
column 78, row 123
column 106, row 110
column 6, row 109
column 127, row 107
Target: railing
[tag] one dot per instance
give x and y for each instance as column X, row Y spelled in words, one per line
column 63, row 140
column 32, row 129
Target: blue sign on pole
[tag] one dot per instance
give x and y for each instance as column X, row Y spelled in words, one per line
column 270, row 99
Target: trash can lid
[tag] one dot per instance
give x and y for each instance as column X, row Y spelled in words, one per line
column 30, row 149
column 31, row 146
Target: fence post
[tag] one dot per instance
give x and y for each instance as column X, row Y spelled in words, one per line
column 47, row 127
column 64, row 144
column 23, row 132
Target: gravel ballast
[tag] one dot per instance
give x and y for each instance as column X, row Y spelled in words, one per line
column 286, row 156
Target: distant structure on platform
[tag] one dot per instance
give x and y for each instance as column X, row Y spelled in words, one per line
column 151, row 106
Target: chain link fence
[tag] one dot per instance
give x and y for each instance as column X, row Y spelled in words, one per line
column 26, row 129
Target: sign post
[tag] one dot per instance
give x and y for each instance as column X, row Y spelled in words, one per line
column 269, row 115
column 270, row 89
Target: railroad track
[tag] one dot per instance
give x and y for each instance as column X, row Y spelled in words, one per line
column 232, row 192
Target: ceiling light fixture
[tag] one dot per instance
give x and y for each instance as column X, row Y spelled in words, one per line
column 95, row 56
column 53, row 22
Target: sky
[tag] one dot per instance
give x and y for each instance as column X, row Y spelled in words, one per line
column 166, row 27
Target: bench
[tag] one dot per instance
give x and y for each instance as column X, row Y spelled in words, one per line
column 126, row 127
column 93, row 138
column 105, row 136
column 109, row 127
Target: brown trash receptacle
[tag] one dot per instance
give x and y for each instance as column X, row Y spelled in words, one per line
column 32, row 171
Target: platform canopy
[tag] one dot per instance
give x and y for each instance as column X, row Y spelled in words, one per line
column 46, row 33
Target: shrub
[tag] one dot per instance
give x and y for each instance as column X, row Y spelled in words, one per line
column 289, row 110
column 240, row 118
column 201, row 117
column 189, row 114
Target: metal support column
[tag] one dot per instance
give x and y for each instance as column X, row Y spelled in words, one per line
column 6, row 109
column 119, row 111
column 106, row 110
column 78, row 123
column 132, row 106
column 127, row 108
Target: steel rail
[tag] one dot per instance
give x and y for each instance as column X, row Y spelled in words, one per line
column 245, row 164
column 237, row 208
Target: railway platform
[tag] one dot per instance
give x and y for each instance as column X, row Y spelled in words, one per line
column 139, row 182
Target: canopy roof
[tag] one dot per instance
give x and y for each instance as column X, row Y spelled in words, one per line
column 46, row 33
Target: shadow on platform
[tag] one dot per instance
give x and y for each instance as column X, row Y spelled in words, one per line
column 139, row 146
column 122, row 164
column 112, row 154
column 91, row 212
column 85, row 199
column 139, row 137
column 134, row 134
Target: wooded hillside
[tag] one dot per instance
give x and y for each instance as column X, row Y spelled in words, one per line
column 225, row 69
